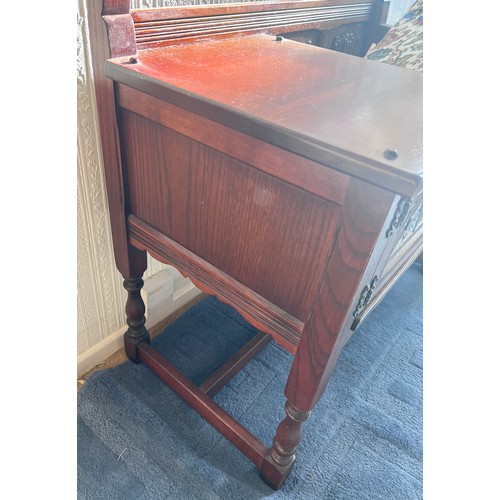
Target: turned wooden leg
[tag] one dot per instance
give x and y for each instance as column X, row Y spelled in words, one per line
column 135, row 308
column 328, row 327
column 136, row 319
column 280, row 458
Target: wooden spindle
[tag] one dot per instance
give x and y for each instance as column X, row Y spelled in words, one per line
column 136, row 319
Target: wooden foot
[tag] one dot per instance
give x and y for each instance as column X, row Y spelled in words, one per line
column 135, row 310
column 279, row 459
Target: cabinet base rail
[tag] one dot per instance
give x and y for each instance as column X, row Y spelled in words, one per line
column 197, row 398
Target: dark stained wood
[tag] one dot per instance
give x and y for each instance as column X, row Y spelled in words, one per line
column 258, row 167
column 359, row 245
column 135, row 308
column 294, row 169
column 376, row 25
column 405, row 246
column 234, row 432
column 197, row 11
column 120, row 27
column 411, row 254
column 360, row 242
column 101, row 51
column 280, row 458
column 161, row 27
column 328, row 116
column 249, row 225
column 264, row 315
column 218, row 379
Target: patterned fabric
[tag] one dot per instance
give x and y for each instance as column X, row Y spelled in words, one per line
column 403, row 44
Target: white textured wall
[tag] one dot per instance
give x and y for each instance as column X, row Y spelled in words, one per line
column 100, row 295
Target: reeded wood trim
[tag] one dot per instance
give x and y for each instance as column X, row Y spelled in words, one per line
column 160, row 27
column 194, row 11
column 294, row 169
column 282, row 326
column 233, row 431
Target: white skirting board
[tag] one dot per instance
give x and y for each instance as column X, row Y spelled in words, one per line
column 163, row 295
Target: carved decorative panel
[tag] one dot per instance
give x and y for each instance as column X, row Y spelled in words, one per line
column 412, row 225
column 348, row 39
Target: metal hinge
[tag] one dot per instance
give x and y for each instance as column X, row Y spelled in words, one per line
column 365, row 296
column 399, row 216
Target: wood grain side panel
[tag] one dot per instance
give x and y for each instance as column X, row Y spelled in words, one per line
column 296, row 170
column 269, row 235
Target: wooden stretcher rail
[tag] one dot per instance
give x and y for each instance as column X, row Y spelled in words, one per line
column 218, row 379
column 234, row 432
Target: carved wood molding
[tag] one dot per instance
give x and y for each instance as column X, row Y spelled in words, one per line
column 399, row 216
column 285, row 328
column 159, row 27
column 412, row 225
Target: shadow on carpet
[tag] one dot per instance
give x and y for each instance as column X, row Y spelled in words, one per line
column 137, row 440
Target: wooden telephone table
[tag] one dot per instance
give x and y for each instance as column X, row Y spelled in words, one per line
column 283, row 178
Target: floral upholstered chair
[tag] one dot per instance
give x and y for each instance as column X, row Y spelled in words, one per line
column 403, row 43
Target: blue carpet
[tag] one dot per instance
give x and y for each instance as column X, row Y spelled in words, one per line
column 137, row 440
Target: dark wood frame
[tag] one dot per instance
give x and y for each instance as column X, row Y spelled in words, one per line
column 113, row 34
column 346, row 290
